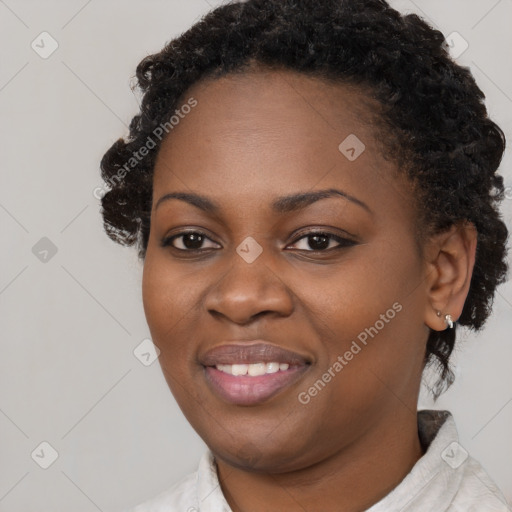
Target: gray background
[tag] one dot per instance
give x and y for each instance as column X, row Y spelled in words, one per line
column 70, row 323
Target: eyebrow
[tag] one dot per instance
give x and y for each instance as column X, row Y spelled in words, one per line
column 282, row 205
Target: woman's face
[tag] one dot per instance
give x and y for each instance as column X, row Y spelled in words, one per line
column 331, row 285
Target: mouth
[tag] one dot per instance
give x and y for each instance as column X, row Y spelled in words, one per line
column 243, row 374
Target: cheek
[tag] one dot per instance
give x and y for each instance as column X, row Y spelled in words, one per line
column 169, row 301
column 367, row 312
column 156, row 295
column 350, row 296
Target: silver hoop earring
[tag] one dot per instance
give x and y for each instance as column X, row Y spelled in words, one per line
column 448, row 319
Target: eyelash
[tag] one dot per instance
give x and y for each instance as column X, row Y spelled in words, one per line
column 344, row 242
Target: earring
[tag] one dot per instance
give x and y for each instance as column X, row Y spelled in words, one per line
column 448, row 319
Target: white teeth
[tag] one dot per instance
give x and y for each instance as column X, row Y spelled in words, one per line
column 239, row 369
column 253, row 370
column 272, row 367
column 257, row 369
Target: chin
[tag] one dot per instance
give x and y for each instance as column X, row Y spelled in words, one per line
column 260, row 457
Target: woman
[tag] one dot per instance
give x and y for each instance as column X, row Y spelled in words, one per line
column 312, row 188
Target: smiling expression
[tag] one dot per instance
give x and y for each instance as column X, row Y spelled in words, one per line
column 255, row 169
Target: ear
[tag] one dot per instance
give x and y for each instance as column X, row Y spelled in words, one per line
column 450, row 258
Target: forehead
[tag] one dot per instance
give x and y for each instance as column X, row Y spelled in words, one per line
column 272, row 130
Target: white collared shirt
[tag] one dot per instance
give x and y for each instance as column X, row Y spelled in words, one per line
column 445, row 479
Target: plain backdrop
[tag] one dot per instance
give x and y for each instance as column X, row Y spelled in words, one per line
column 70, row 299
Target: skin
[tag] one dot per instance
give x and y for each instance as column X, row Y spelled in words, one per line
column 253, row 138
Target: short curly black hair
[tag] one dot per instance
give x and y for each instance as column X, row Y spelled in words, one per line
column 441, row 139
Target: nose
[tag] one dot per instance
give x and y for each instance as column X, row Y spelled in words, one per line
column 247, row 290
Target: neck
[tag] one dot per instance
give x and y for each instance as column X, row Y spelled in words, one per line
column 351, row 480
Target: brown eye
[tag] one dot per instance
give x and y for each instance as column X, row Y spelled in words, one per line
column 322, row 241
column 187, row 241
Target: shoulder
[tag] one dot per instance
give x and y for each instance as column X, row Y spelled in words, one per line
column 181, row 496
column 199, row 490
column 446, row 478
column 477, row 492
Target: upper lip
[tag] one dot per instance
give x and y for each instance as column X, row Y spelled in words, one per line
column 259, row 351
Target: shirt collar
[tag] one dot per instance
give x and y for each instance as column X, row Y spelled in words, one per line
column 438, row 467
column 435, row 478
column 209, row 492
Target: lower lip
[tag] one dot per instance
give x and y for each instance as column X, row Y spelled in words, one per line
column 246, row 390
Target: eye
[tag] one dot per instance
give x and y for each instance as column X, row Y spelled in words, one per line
column 191, row 241
column 317, row 241
column 321, row 241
